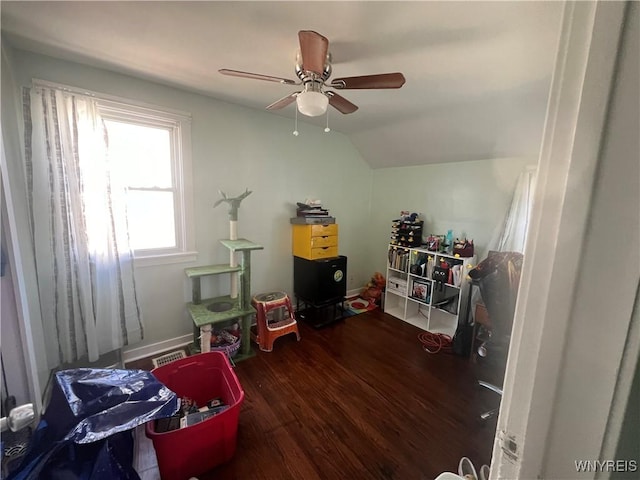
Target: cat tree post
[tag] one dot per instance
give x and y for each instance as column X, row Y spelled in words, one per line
column 234, row 204
column 233, row 262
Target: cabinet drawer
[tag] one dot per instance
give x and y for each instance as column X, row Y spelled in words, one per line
column 324, row 230
column 305, row 250
column 329, row 241
column 323, row 252
column 315, row 241
column 306, row 232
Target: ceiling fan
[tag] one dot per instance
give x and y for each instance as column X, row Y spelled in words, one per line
column 313, row 68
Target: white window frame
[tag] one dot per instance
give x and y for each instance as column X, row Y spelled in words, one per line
column 179, row 124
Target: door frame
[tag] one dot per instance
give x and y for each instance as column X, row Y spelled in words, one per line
column 19, row 285
column 550, row 290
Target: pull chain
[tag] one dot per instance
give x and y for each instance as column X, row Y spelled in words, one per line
column 295, row 130
column 327, row 129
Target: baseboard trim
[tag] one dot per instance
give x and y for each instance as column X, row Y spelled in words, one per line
column 132, row 354
column 353, row 293
column 138, row 353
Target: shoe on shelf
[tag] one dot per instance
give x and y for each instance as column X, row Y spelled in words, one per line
column 484, row 472
column 466, row 469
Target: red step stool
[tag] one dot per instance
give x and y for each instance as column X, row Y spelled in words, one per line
column 274, row 318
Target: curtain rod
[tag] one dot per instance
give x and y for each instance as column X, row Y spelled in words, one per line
column 65, row 88
column 127, row 102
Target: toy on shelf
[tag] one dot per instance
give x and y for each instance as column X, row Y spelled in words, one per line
column 406, row 231
column 463, row 248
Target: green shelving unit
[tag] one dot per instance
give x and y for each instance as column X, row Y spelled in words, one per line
column 223, row 309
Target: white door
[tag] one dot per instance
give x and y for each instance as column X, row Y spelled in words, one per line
column 28, row 350
column 14, row 372
column 575, row 338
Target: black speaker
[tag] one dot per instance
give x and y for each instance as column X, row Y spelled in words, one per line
column 320, row 281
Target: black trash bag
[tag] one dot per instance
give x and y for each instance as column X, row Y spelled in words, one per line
column 462, row 339
column 85, row 430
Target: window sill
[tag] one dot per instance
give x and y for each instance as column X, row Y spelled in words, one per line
column 153, row 260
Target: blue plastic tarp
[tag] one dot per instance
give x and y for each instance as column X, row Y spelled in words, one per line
column 85, row 430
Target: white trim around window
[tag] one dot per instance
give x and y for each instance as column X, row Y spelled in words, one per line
column 179, row 126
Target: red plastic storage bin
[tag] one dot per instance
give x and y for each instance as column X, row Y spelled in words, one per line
column 194, row 450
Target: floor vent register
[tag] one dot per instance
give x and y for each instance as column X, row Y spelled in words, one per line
column 168, row 358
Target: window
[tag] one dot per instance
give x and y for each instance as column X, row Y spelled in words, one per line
column 150, row 151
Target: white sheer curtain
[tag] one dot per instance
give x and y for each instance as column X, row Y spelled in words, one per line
column 513, row 234
column 84, row 264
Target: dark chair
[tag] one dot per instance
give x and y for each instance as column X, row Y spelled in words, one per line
column 498, row 277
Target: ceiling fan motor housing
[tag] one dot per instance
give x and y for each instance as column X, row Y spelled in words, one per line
column 313, row 69
column 308, row 76
column 313, row 85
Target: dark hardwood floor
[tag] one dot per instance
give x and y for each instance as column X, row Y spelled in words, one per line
column 359, row 399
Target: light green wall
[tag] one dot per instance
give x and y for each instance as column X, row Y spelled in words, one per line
column 470, row 198
column 234, row 148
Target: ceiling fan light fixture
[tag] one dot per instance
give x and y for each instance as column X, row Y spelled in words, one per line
column 312, row 104
column 313, row 69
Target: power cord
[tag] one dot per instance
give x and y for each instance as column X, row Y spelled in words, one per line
column 435, row 342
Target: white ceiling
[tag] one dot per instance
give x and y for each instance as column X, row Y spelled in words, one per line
column 477, row 73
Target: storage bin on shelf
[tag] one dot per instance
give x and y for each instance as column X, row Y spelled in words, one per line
column 194, row 450
column 228, row 345
column 230, row 350
column 397, row 285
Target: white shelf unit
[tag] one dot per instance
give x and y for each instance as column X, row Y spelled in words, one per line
column 413, row 296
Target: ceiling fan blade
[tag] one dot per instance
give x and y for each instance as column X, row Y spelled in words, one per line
column 340, row 103
column 283, row 102
column 313, row 49
column 256, row 76
column 382, row 80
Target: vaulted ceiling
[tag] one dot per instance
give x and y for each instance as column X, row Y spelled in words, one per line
column 477, row 73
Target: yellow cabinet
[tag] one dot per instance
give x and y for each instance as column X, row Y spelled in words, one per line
column 315, row 241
